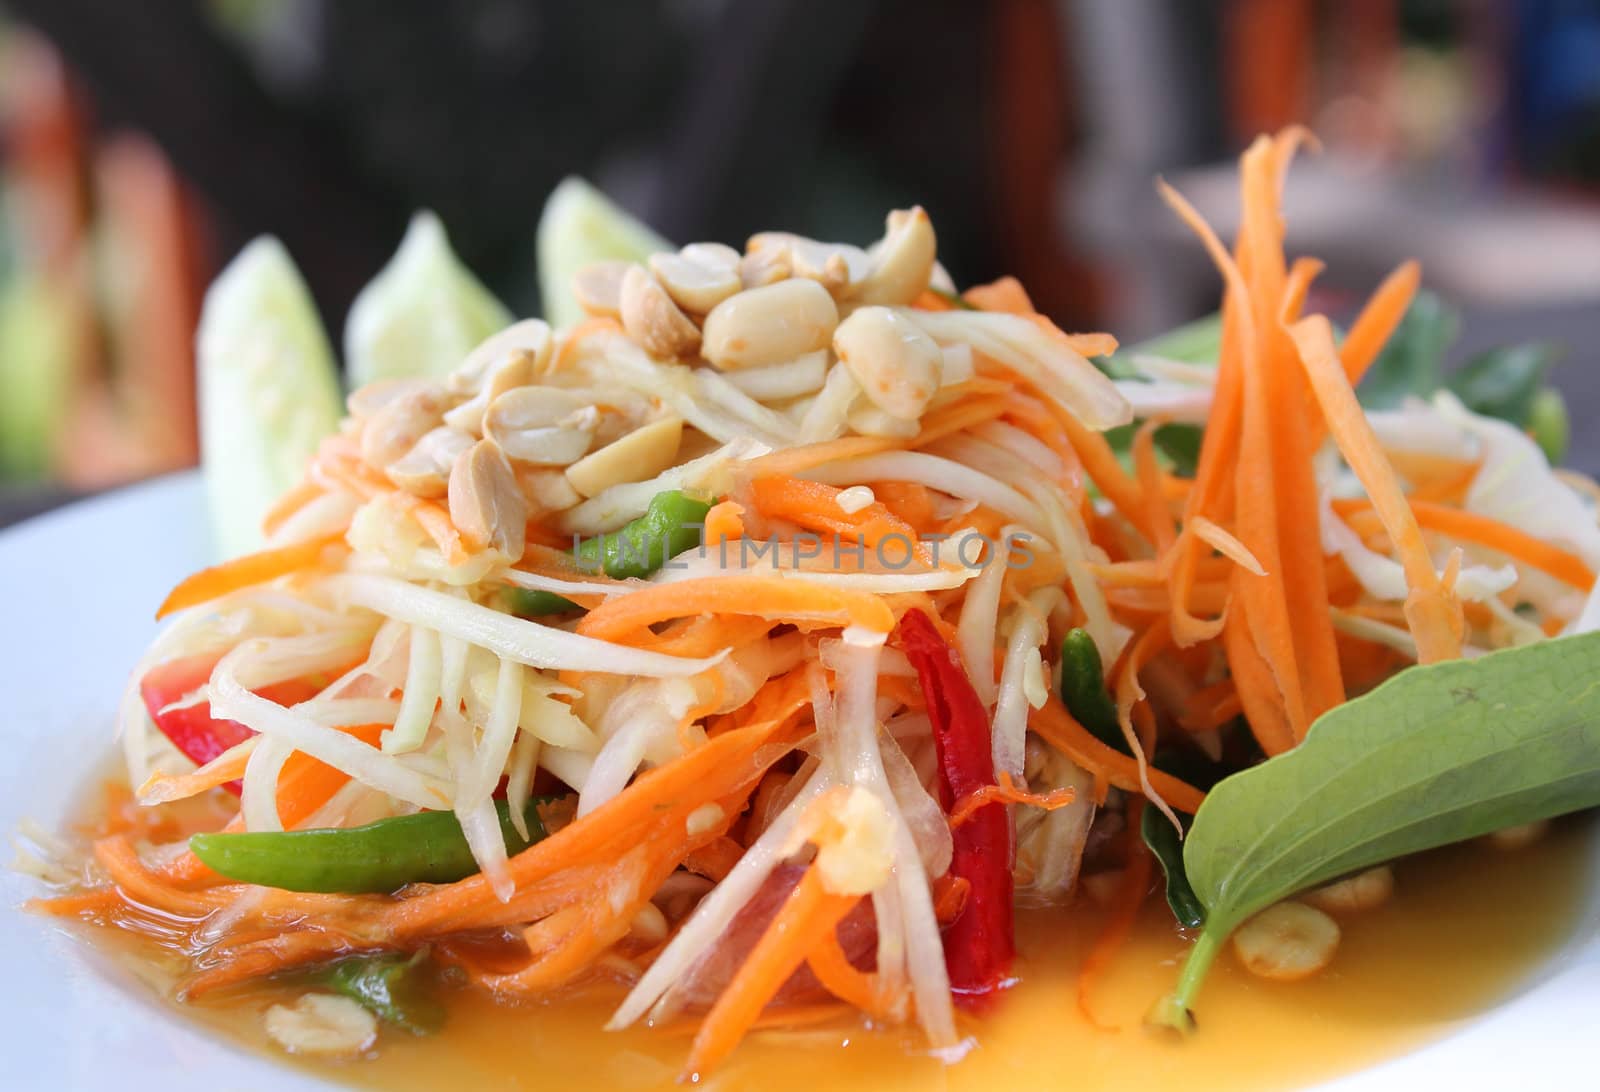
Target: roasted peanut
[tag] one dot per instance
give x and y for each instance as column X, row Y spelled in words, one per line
column 897, row 365
column 653, row 320
column 768, row 325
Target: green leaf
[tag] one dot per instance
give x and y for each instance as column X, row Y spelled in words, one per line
column 1504, row 382
column 421, row 314
column 395, row 988
column 1549, row 424
column 1181, row 445
column 269, row 391
column 1412, row 363
column 1196, row 342
column 1162, row 838
column 1435, row 755
column 581, row 225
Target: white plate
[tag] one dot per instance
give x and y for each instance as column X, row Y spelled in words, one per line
column 78, row 589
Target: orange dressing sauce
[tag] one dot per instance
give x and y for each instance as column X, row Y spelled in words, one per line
column 1466, row 928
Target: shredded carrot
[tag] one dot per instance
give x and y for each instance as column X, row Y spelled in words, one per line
column 810, row 914
column 1378, row 320
column 724, row 523
column 307, row 783
column 950, row 894
column 577, row 335
column 246, row 571
column 771, row 597
column 715, row 859
column 1209, row 532
column 815, row 507
column 1301, row 274
column 910, row 502
column 1056, row 727
column 1007, row 792
column 1147, row 471
column 1102, row 467
column 1474, row 527
column 1006, row 295
column 287, row 505
column 843, row 979
column 1433, row 612
column 160, row 788
column 796, row 460
column 959, row 415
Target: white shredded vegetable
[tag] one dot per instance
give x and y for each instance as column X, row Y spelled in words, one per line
column 513, row 638
column 1046, row 362
column 343, row 752
column 774, row 382
column 716, row 911
column 423, row 671
column 1029, row 628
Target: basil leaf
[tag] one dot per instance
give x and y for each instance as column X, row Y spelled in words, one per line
column 1181, row 445
column 394, row 988
column 1162, row 838
column 1435, row 755
column 1197, row 342
column 1504, row 382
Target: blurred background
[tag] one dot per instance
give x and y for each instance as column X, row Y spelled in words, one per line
column 141, row 145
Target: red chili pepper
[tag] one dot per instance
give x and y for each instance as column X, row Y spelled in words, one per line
column 192, row 729
column 978, row 945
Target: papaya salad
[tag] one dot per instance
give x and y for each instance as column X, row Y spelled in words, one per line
column 758, row 644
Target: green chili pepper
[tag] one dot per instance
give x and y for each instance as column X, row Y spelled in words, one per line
column 534, row 604
column 394, row 987
column 671, row 525
column 384, row 856
column 1083, row 690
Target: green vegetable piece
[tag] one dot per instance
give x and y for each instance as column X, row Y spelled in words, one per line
column 396, row 989
column 670, row 525
column 1412, row 362
column 35, row 372
column 1181, row 445
column 952, row 298
column 1197, row 342
column 384, row 856
column 581, row 225
column 1162, row 838
column 1435, row 755
column 1549, row 424
column 269, row 390
column 1083, row 690
column 526, row 603
column 421, row 314
column 1504, row 382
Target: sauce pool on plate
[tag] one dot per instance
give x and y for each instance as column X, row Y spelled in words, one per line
column 1449, row 944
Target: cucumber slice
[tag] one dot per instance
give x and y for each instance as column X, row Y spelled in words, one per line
column 269, row 392
column 582, row 225
column 422, row 314
column 36, row 368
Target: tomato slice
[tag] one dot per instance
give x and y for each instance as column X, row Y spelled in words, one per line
column 191, row 728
